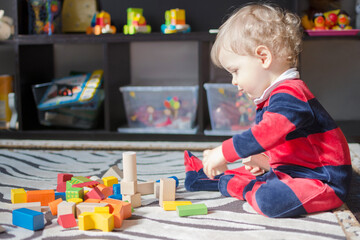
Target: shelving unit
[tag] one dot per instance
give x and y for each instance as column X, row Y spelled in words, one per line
column 34, row 64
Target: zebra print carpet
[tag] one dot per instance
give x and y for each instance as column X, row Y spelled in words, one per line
column 228, row 218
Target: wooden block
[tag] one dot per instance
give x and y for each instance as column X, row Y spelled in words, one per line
column 114, row 206
column 18, row 195
column 167, row 190
column 43, row 196
column 107, row 191
column 116, row 189
column 135, row 199
column 90, row 184
column 27, row 218
column 74, row 193
column 63, row 177
column 101, row 221
column 67, row 221
column 102, row 209
column 157, row 189
column 129, row 188
column 2, row 229
column 66, row 208
column 95, row 193
column 88, row 207
column 79, row 179
column 114, row 171
column 110, row 181
column 145, row 188
column 258, row 160
column 191, row 210
column 129, row 167
column 61, row 187
column 75, row 200
column 36, row 206
column 53, row 206
column 91, row 200
column 61, row 195
column 171, row 205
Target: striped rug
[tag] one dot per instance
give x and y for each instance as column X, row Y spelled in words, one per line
column 228, row 218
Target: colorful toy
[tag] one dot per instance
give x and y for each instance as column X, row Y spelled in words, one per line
column 43, row 196
column 343, row 21
column 87, row 207
column 129, row 182
column 27, row 218
column 54, row 205
column 101, row 24
column 18, row 195
column 114, row 171
column 175, row 22
column 67, row 221
column 191, row 210
column 331, row 18
column 136, row 22
column 53, row 10
column 319, row 22
column 36, row 206
column 42, row 15
column 110, row 181
column 62, row 178
column 66, row 208
column 171, row 205
column 96, row 220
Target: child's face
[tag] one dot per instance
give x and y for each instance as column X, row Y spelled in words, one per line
column 247, row 73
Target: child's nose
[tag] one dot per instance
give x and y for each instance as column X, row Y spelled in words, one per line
column 233, row 82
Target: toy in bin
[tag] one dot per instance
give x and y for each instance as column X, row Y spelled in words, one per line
column 229, row 109
column 160, row 106
column 175, row 22
column 71, row 102
column 136, row 22
column 101, row 24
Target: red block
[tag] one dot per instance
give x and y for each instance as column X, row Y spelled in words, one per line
column 63, row 177
column 67, row 221
column 91, row 184
column 95, row 193
column 61, row 187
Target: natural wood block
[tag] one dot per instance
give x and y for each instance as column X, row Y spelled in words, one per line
column 129, row 188
column 145, row 188
column 191, row 210
column 88, row 207
column 66, row 208
column 156, row 190
column 167, row 190
column 114, row 171
column 36, row 206
column 135, row 199
column 129, row 167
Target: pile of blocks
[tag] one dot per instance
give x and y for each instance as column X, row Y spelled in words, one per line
column 97, row 203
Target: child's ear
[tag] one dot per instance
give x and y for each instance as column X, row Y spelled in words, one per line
column 264, row 55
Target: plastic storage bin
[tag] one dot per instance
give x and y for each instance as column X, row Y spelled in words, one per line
column 160, row 109
column 74, row 114
column 230, row 111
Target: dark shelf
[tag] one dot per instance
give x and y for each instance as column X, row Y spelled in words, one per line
column 112, row 38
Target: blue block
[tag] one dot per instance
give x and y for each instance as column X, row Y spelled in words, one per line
column 175, row 178
column 116, row 189
column 61, row 195
column 116, row 196
column 27, row 218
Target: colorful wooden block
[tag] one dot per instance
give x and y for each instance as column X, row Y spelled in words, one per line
column 167, row 190
column 171, row 205
column 79, row 179
column 90, row 184
column 114, row 171
column 116, row 196
column 18, row 195
column 129, row 188
column 36, row 206
column 135, row 199
column 145, row 188
column 74, row 193
column 62, row 178
column 61, row 187
column 114, row 206
column 97, row 179
column 96, row 220
column 107, row 191
column 27, row 218
column 116, row 189
column 110, row 181
column 88, row 207
column 191, row 210
column 67, row 221
column 91, row 200
column 66, row 208
column 54, row 205
column 43, row 196
column 61, row 195
column 95, row 193
column 75, row 200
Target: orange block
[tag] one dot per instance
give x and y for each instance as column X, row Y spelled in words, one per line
column 121, row 210
column 43, row 196
column 53, row 206
column 107, row 191
column 90, row 200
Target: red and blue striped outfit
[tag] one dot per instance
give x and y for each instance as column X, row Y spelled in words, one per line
column 310, row 165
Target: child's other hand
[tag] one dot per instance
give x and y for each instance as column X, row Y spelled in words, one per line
column 256, row 171
column 214, row 162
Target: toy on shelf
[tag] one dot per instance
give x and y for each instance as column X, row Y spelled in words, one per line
column 42, row 16
column 53, row 10
column 175, row 22
column 319, row 22
column 136, row 22
column 6, row 26
column 343, row 21
column 101, row 24
column 76, row 15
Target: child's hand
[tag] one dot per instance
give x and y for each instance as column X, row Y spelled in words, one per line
column 256, row 171
column 214, row 162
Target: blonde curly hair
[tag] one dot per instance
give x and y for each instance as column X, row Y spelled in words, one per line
column 260, row 24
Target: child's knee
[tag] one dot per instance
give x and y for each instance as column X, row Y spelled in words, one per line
column 223, row 184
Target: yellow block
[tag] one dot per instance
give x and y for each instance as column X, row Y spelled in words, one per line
column 75, row 200
column 110, row 181
column 102, row 209
column 171, row 205
column 101, row 221
column 18, row 195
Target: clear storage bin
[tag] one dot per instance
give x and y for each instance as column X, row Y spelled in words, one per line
column 160, row 109
column 230, row 111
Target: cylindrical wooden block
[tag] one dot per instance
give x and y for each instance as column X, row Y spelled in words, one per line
column 129, row 167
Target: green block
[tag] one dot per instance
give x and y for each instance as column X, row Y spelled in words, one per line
column 191, row 210
column 74, row 193
column 79, row 179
